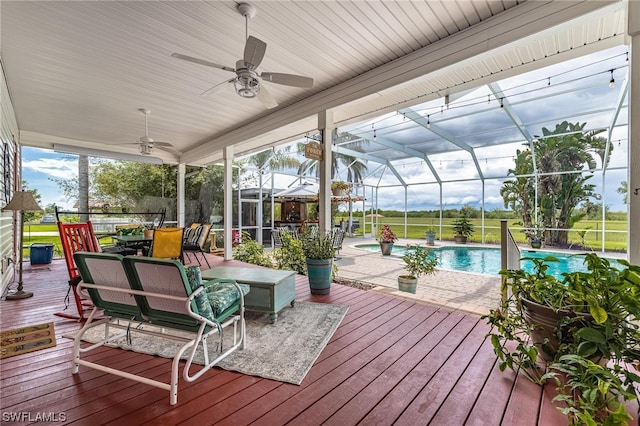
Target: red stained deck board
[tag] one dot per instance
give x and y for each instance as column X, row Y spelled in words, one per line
column 389, row 358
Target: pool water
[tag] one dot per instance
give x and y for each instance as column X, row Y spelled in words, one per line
column 486, row 260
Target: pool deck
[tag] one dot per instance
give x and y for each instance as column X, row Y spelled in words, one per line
column 467, row 292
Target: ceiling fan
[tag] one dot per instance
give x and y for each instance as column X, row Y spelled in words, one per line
column 146, row 144
column 248, row 82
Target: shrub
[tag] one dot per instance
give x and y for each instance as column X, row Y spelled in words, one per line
column 250, row 251
column 290, row 256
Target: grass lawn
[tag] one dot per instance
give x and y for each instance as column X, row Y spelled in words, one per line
column 616, row 231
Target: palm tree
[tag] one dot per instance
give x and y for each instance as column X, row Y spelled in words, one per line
column 561, row 155
column 271, row 159
column 355, row 167
column 518, row 194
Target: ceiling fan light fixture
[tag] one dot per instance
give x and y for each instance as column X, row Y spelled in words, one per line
column 247, row 86
column 145, row 149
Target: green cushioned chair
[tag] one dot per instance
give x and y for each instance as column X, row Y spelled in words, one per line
column 163, row 293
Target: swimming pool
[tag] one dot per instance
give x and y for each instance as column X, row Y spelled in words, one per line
column 487, row 260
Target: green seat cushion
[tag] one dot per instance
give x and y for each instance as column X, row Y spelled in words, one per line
column 218, row 296
column 223, row 294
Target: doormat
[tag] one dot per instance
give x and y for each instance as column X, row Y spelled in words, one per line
column 26, row 339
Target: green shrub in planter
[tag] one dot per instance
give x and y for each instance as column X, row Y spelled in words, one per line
column 592, row 338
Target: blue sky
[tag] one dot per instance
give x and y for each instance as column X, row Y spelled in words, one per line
column 41, row 166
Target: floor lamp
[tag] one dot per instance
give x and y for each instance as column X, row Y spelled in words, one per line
column 22, row 201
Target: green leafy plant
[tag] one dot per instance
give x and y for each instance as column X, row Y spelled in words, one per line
column 462, row 227
column 593, row 336
column 592, row 392
column 291, row 255
column 340, row 185
column 317, row 245
column 251, row 251
column 536, row 232
column 420, row 261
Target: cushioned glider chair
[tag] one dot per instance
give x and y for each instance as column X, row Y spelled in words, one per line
column 138, row 293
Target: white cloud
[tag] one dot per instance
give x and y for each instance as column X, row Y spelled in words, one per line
column 57, row 168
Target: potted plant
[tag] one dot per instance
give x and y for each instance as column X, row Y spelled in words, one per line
column 417, row 262
column 580, row 331
column 386, row 239
column 535, row 234
column 319, row 253
column 430, row 236
column 463, row 229
column 339, row 187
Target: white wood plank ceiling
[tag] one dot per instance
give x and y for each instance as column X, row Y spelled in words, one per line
column 79, row 71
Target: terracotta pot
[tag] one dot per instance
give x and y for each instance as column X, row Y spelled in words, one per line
column 148, row 234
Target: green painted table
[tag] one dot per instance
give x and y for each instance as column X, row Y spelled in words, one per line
column 271, row 290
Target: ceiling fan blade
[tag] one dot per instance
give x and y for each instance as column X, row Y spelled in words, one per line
column 210, row 91
column 202, row 62
column 288, row 79
column 254, row 52
column 266, row 98
column 157, row 143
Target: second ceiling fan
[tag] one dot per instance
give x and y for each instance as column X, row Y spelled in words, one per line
column 248, row 82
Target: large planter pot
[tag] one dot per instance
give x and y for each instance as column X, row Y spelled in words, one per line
column 544, row 321
column 319, row 274
column 407, row 283
column 431, row 238
column 536, row 244
column 460, row 239
column 386, row 248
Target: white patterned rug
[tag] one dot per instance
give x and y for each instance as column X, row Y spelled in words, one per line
column 284, row 351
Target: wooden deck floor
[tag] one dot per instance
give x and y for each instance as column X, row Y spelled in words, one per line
column 391, row 361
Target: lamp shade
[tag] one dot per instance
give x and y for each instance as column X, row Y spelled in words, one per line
column 22, row 201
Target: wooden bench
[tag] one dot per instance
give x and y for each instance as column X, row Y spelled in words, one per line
column 271, row 290
column 148, row 291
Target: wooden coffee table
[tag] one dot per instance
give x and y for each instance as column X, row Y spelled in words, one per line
column 271, row 290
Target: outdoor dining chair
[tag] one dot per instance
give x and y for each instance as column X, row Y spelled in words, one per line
column 196, row 241
column 167, row 243
column 338, row 238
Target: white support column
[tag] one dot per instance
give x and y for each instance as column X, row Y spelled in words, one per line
column 181, row 203
column 228, row 201
column 633, row 180
column 325, row 124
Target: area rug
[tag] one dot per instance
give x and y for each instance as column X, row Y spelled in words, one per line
column 284, row 351
column 26, row 339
